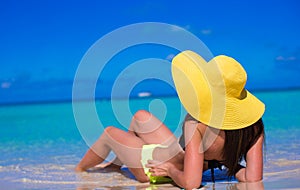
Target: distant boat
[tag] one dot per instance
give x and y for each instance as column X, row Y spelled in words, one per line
column 144, row 94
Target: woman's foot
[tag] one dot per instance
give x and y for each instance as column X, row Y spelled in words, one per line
column 108, row 166
column 79, row 169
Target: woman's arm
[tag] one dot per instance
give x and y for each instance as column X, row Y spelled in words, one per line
column 254, row 169
column 191, row 176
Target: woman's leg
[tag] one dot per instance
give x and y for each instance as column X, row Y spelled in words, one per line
column 152, row 131
column 125, row 145
column 146, row 126
column 92, row 157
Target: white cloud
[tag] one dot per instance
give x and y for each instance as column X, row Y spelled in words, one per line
column 206, row 31
column 5, row 85
column 280, row 58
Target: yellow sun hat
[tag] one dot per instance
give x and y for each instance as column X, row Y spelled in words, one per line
column 214, row 92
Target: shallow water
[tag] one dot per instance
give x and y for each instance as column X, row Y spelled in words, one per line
column 41, row 143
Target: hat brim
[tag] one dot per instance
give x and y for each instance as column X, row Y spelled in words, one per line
column 202, row 92
column 241, row 113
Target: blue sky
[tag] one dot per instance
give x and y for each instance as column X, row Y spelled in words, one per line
column 42, row 42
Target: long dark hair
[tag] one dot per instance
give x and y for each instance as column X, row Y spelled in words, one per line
column 237, row 143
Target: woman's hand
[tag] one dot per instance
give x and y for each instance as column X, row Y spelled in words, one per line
column 157, row 168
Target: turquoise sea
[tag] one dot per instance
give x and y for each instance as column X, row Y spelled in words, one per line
column 40, row 144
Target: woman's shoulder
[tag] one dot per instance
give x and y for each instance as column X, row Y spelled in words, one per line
column 201, row 127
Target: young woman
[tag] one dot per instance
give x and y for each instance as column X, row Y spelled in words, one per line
column 223, row 127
